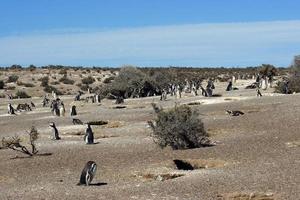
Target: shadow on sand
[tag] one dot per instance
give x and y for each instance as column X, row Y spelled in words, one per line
column 39, row 154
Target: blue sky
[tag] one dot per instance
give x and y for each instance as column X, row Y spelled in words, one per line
column 149, row 33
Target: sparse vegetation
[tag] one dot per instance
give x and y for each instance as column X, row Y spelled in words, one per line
column 179, row 128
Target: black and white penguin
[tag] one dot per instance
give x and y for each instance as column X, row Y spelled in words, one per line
column 88, row 173
column 89, row 135
column 234, row 112
column 62, row 109
column 32, row 104
column 55, row 131
column 77, row 121
column 10, row 109
column 73, row 111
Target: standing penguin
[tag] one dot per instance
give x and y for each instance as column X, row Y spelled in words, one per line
column 62, row 109
column 54, row 107
column 88, row 173
column 73, row 111
column 229, row 86
column 55, row 131
column 10, row 109
column 89, row 135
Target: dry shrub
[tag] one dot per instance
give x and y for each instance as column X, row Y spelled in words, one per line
column 289, row 86
column 20, row 83
column 88, row 80
column 66, row 80
column 14, row 143
column 179, row 128
column 22, row 94
column 12, row 78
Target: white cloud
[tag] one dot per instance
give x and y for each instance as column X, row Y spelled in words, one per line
column 227, row 44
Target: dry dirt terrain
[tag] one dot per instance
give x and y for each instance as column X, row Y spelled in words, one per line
column 257, row 155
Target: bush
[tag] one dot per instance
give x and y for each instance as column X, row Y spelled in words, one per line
column 22, row 94
column 131, row 82
column 11, row 88
column 291, row 84
column 49, row 89
column 84, row 87
column 2, row 84
column 44, row 81
column 179, row 128
column 12, row 78
column 25, row 84
column 32, row 67
column 109, row 79
column 54, row 83
column 63, row 71
column 288, row 86
column 66, row 80
column 88, row 80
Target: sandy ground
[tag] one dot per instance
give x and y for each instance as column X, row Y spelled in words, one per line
column 256, row 156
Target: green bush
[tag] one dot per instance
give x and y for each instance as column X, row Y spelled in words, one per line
column 131, row 82
column 179, row 127
column 21, row 94
column 12, row 78
column 88, row 80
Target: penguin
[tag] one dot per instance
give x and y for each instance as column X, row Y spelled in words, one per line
column 32, row 104
column 55, row 131
column 88, row 173
column 62, row 109
column 258, row 94
column 234, row 112
column 77, row 121
column 54, row 107
column 229, row 86
column 73, row 111
column 11, row 109
column 89, row 135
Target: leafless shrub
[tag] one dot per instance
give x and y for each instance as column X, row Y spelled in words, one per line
column 14, row 143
